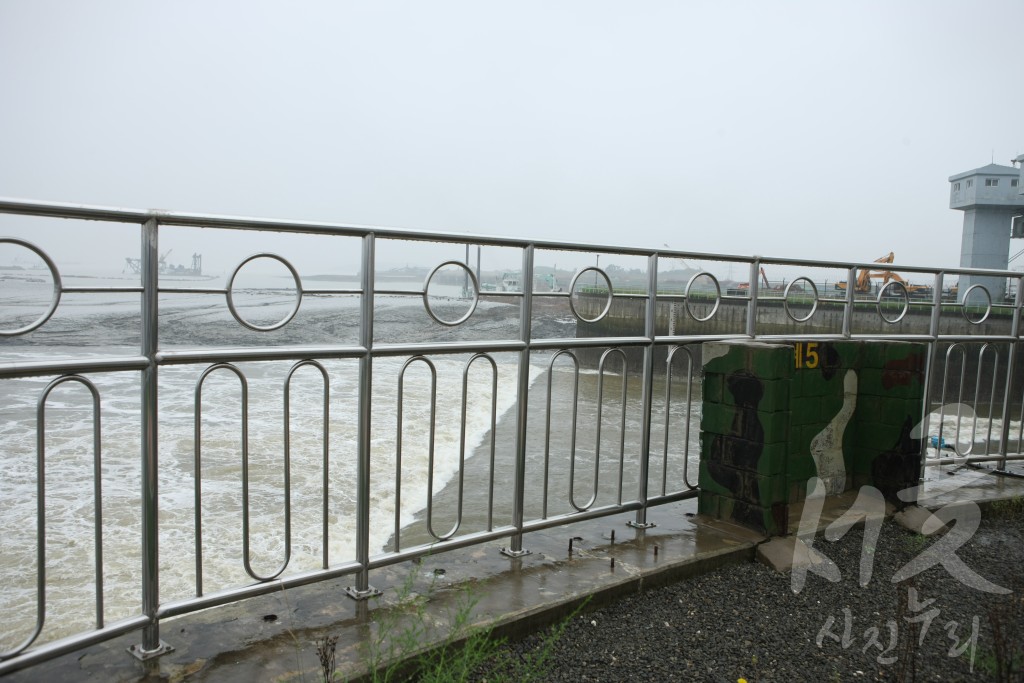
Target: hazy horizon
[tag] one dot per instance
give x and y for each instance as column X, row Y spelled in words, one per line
column 802, row 129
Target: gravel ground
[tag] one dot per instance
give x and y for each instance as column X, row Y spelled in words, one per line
column 747, row 622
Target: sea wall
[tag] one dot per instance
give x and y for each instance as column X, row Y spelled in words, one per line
column 625, row 318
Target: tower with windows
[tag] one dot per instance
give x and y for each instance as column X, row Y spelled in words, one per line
column 992, row 199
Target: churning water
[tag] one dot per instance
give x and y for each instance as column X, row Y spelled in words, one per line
column 108, row 324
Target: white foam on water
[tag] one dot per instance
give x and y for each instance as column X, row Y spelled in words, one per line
column 416, row 423
column 969, row 433
column 69, row 504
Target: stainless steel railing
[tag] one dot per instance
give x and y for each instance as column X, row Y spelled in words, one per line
column 652, row 352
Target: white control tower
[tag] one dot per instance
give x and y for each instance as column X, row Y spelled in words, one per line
column 992, row 199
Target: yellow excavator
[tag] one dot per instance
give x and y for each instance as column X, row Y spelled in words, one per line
column 866, row 275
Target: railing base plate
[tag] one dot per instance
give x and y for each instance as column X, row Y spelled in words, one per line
column 143, row 655
column 514, row 553
column 357, row 594
column 643, row 525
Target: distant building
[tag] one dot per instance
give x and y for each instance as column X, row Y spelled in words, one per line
column 992, row 199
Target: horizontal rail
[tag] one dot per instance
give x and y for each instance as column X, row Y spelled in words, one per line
column 10, row 370
column 47, row 651
column 481, row 537
column 968, row 459
column 257, row 354
column 463, row 541
column 223, row 597
column 103, row 290
column 122, row 215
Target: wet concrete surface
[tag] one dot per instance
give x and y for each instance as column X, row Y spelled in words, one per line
column 274, row 637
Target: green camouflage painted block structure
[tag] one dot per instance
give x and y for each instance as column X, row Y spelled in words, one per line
column 776, row 414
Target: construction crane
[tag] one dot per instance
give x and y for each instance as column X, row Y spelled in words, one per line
column 764, row 279
column 866, row 275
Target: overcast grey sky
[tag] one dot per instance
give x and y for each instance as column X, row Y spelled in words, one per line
column 807, row 129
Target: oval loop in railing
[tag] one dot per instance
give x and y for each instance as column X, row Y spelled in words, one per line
column 398, row 442
column 622, row 416
column 988, row 303
column 668, row 412
column 955, row 347
column 814, row 302
column 462, row 451
column 246, row 561
column 326, row 453
column 547, row 423
column 298, row 294
column 426, row 294
column 1020, row 422
column 572, row 294
column 718, row 297
column 41, row 508
column 597, row 446
column 902, row 288
column 57, row 287
column 977, row 393
column 493, row 432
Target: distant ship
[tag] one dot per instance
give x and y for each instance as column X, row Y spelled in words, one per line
column 196, row 270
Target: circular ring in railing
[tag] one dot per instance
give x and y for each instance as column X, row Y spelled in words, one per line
column 988, row 304
column 57, row 287
column 572, row 294
column 814, row 303
column 718, row 297
column 426, row 294
column 902, row 288
column 291, row 314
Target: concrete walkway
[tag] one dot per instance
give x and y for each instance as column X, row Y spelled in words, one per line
column 274, row 637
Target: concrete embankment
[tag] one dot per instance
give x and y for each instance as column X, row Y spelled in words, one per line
column 626, row 317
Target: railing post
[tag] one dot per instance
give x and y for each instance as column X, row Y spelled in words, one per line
column 755, row 274
column 933, row 345
column 647, row 388
column 522, row 404
column 851, row 279
column 151, row 645
column 1004, row 435
column 363, row 590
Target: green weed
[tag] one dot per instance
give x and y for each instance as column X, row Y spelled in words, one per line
column 915, row 543
column 503, row 667
column 1010, row 507
column 394, row 652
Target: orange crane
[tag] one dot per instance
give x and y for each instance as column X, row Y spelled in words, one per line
column 865, row 275
column 863, row 283
column 764, row 279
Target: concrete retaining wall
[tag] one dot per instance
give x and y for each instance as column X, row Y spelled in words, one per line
column 626, row 318
column 775, row 415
